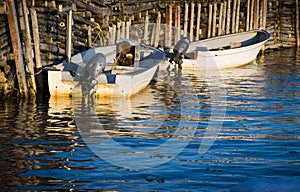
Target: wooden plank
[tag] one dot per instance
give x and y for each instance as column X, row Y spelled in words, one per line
column 17, row 46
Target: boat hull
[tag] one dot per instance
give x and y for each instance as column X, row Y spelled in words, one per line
column 127, row 81
column 210, row 57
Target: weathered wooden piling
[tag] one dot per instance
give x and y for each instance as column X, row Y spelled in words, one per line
column 17, row 46
column 297, row 23
column 28, row 49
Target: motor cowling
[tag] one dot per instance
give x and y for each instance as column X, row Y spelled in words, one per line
column 180, row 49
column 93, row 68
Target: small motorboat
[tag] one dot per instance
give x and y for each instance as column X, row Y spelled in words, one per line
column 121, row 70
column 221, row 52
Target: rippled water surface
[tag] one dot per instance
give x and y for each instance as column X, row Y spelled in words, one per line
column 250, row 117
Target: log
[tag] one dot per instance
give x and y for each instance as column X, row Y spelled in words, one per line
column 52, row 48
column 214, row 20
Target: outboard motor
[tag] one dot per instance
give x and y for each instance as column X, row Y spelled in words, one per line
column 179, row 50
column 88, row 78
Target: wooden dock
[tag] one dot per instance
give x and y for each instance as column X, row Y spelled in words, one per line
column 36, row 34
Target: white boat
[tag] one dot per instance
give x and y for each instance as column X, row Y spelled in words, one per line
column 124, row 79
column 226, row 51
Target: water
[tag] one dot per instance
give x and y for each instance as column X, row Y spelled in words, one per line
column 42, row 147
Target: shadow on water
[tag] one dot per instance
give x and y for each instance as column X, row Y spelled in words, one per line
column 42, row 149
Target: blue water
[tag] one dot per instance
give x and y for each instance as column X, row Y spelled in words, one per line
column 44, row 145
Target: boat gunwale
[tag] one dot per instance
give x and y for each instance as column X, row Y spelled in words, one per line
column 266, row 38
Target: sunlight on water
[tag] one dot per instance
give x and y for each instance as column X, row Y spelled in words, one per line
column 42, row 147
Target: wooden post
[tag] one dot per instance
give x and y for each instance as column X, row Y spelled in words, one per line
column 167, row 28
column 233, row 17
column 209, row 21
column 248, row 16
column 118, row 31
column 157, row 29
column 128, row 24
column 220, row 20
column 146, row 28
column 123, row 30
column 228, row 17
column 214, row 20
column 251, row 15
column 37, row 52
column 176, row 31
column 192, row 22
column 69, row 36
column 297, row 24
column 198, row 21
column 186, row 15
column 89, row 40
column 114, row 31
column 170, row 25
column 17, row 47
column 110, row 34
column 28, row 50
column 237, row 22
column 256, row 14
column 265, row 14
column 179, row 24
column 224, row 18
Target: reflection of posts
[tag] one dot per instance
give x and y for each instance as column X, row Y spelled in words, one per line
column 125, row 54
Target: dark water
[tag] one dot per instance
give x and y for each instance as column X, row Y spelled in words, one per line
column 42, row 148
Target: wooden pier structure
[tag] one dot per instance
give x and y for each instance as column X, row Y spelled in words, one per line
column 36, row 34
